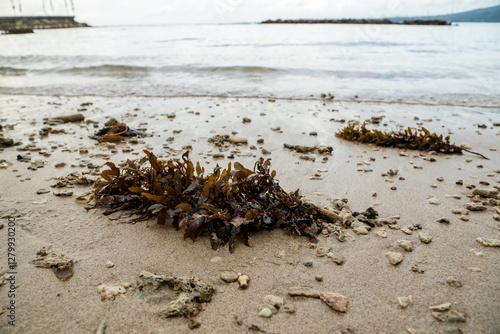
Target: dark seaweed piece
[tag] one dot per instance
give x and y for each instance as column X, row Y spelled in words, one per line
column 223, row 205
column 421, row 140
column 366, row 221
column 116, row 133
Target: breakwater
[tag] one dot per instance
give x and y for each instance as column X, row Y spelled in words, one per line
column 24, row 24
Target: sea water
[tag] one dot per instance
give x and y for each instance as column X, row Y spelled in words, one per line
column 441, row 65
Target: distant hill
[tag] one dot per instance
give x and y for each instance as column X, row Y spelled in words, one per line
column 490, row 14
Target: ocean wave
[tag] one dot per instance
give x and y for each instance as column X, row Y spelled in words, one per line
column 254, row 72
column 309, row 44
column 131, row 71
column 12, row 71
column 104, row 70
column 178, row 40
column 237, row 69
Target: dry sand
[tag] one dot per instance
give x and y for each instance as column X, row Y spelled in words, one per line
column 275, row 261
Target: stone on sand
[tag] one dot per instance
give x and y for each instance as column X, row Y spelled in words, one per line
column 335, row 301
column 394, row 257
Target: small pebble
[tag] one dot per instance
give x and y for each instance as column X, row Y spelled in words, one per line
column 394, row 257
column 434, row 201
column 453, row 330
column 381, row 233
column 63, row 193
column 229, row 276
column 476, row 253
column 455, row 196
column 443, row 220
column 337, row 260
column 416, row 268
column 440, row 307
column 405, row 301
column 335, row 301
column 264, row 151
column 266, row 313
column 475, row 207
column 243, row 281
column 407, row 231
column 406, row 245
column 425, row 237
column 454, row 281
column 449, row 316
column 322, row 251
column 272, row 308
column 193, row 323
column 303, row 291
column 274, row 301
column 238, row 318
column 489, row 242
column 215, row 259
column 307, row 263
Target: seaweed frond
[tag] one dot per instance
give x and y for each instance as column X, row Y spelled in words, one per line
column 223, row 205
column 421, row 139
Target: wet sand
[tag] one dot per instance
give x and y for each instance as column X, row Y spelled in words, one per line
column 275, row 261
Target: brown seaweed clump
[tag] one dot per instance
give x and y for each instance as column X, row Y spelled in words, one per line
column 421, row 140
column 223, row 205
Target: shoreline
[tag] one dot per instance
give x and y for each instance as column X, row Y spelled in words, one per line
column 399, row 101
column 275, row 260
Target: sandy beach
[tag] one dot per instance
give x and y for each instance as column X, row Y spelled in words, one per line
column 276, row 260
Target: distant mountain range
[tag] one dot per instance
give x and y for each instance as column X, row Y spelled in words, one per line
column 490, row 14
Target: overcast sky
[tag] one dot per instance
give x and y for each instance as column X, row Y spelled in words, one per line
column 104, row 12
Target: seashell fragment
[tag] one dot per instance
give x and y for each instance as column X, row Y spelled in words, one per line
column 243, row 281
